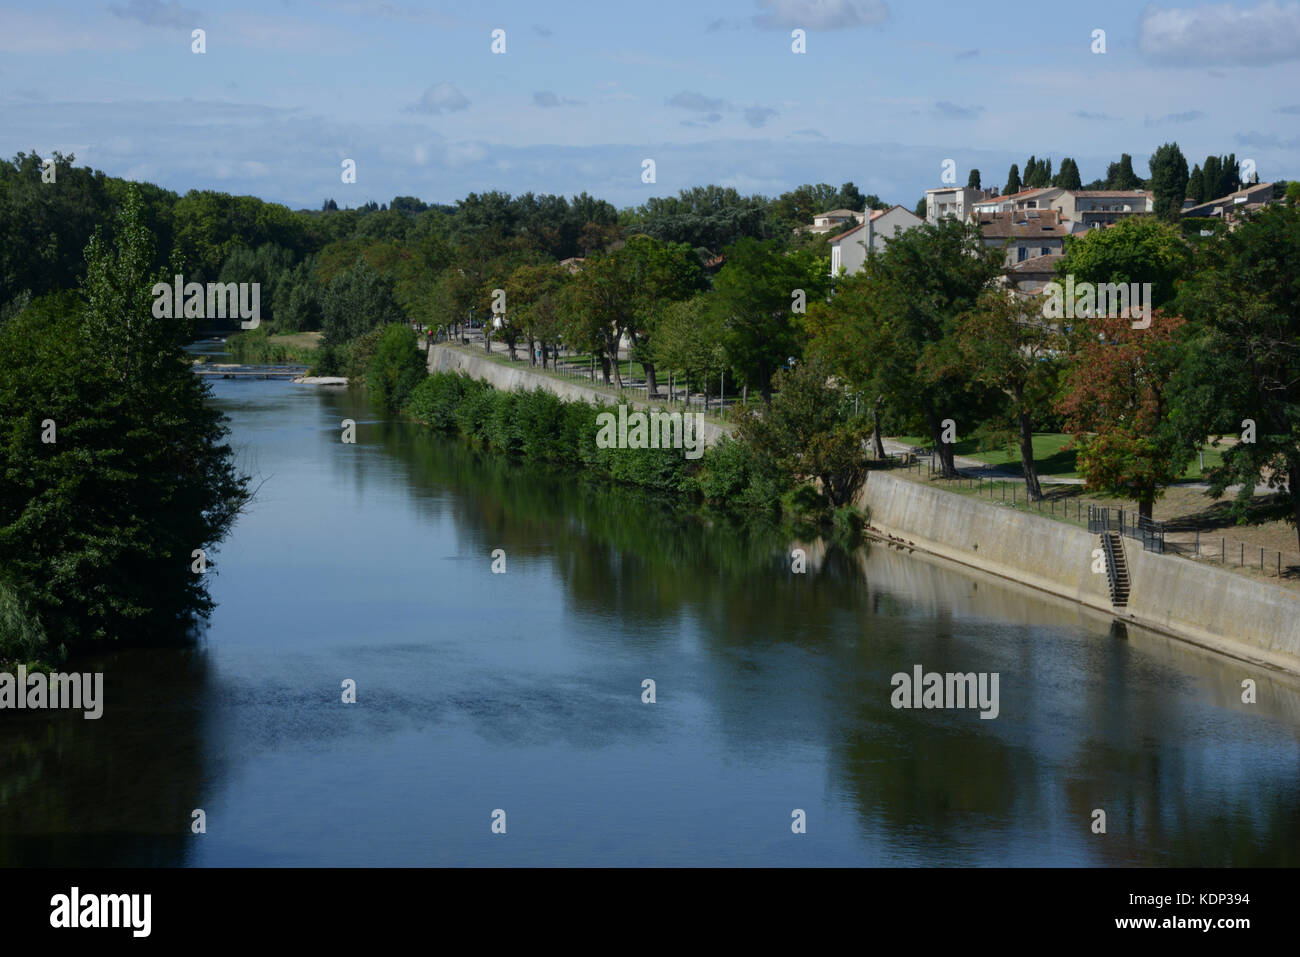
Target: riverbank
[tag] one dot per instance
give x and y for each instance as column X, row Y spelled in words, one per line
column 444, row 358
column 1206, row 606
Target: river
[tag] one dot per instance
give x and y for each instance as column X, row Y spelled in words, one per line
column 522, row 692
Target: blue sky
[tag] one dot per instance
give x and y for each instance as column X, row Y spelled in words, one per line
column 887, row 90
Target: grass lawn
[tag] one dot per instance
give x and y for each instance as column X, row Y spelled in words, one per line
column 297, row 340
column 1050, row 455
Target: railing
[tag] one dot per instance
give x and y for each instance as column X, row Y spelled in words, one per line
column 1104, row 518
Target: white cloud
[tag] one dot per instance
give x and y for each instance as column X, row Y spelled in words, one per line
column 1221, row 33
column 697, row 102
column 440, row 97
column 819, row 14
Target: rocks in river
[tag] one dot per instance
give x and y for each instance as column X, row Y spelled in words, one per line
column 321, row 380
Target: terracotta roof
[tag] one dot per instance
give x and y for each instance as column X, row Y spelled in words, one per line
column 1022, row 224
column 1020, row 195
column 854, row 229
column 837, row 212
column 1108, row 193
column 1038, row 263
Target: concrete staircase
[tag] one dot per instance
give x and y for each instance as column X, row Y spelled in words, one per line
column 1116, row 568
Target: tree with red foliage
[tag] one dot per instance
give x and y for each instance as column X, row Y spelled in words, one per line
column 1117, row 401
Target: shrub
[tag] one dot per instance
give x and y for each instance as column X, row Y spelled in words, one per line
column 395, row 368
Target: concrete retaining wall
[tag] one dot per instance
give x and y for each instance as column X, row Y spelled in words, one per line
column 1198, row 603
column 522, row 377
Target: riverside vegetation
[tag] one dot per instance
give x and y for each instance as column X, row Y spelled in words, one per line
column 98, row 526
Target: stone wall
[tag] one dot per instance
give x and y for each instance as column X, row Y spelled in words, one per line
column 1197, row 602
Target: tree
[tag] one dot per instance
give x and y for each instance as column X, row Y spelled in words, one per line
column 656, row 275
column 1013, row 181
column 356, row 302
column 805, row 432
column 1120, row 175
column 1119, row 401
column 534, row 296
column 1211, row 174
column 973, row 181
column 755, row 295
column 898, row 320
column 690, row 339
column 597, row 305
column 1168, row 180
column 1067, row 177
column 98, row 528
column 1241, row 301
column 920, row 208
column 395, row 368
column 1005, row 344
column 1135, row 250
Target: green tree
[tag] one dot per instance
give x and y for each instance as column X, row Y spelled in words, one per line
column 805, row 432
column 1241, row 300
column 1120, row 175
column 755, row 295
column 396, row 367
column 1168, row 180
column 1004, row 344
column 1137, row 249
column 1013, row 181
column 1196, row 185
column 900, row 319
column 973, row 180
column 356, row 302
column 1067, row 177
column 691, row 339
column 98, row 527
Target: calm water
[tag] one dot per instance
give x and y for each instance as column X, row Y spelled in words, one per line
column 522, row 691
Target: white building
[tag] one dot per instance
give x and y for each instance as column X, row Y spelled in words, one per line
column 950, row 201
column 850, row 248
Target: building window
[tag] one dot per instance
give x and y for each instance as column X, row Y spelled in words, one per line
column 1044, row 251
column 1021, row 254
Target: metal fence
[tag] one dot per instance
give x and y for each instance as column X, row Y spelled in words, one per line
column 1183, row 538
column 1130, row 524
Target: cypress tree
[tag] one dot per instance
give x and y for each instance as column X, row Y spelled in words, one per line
column 1013, row 180
column 1210, row 179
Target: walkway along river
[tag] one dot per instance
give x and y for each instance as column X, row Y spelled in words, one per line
column 523, row 691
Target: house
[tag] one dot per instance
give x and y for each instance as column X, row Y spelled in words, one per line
column 849, row 249
column 573, row 263
column 1033, row 198
column 1025, row 234
column 951, row 201
column 1031, row 275
column 832, row 220
column 1230, row 207
column 1102, row 207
